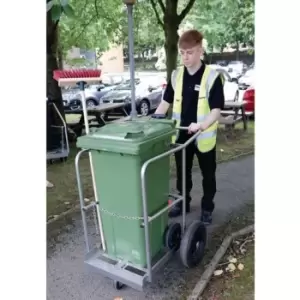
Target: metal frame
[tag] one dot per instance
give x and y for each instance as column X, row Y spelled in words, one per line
column 64, row 150
column 119, row 270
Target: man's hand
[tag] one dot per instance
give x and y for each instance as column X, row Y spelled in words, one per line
column 194, row 127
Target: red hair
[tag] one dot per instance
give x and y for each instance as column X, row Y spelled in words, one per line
column 190, row 39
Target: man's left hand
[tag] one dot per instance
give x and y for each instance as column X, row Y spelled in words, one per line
column 194, row 127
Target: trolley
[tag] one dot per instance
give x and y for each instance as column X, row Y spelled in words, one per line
column 189, row 240
column 62, row 152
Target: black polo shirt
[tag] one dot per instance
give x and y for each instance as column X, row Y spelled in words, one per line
column 190, row 96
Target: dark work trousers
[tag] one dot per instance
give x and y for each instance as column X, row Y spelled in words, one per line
column 207, row 163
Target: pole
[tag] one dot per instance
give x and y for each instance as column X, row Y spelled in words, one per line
column 131, row 60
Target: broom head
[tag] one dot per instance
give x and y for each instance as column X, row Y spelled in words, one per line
column 72, row 77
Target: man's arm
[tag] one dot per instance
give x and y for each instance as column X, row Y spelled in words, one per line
column 216, row 103
column 167, row 99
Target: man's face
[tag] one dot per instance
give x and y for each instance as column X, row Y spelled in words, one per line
column 191, row 56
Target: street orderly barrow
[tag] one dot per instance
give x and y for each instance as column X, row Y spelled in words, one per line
column 131, row 165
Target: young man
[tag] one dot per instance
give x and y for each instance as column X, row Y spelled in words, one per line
column 198, row 93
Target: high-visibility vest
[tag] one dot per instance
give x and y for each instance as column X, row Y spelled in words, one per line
column 206, row 141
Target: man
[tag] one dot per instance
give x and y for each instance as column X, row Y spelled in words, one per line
column 198, row 93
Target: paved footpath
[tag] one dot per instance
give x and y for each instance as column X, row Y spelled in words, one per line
column 67, row 278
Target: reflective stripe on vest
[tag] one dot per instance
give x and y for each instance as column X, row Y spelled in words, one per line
column 207, row 139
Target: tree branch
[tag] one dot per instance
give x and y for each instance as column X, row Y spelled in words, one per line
column 84, row 26
column 96, row 7
column 163, row 8
column 160, row 22
column 186, row 10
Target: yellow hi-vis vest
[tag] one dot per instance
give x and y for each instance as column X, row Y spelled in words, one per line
column 206, row 141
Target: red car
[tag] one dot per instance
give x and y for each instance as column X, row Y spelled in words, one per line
column 249, row 96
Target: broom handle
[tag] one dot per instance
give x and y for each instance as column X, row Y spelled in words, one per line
column 87, row 131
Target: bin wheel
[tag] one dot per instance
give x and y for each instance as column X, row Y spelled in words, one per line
column 63, row 159
column 173, row 236
column 118, row 285
column 193, row 244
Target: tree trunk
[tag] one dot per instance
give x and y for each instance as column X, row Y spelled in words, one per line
column 52, row 89
column 60, row 61
column 171, row 44
column 237, row 50
column 171, row 26
column 171, row 53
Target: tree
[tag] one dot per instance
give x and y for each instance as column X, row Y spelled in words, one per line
column 240, row 25
column 81, row 23
column 54, row 12
column 146, row 34
column 169, row 20
column 224, row 21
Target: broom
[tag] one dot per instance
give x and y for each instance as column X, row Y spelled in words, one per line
column 81, row 78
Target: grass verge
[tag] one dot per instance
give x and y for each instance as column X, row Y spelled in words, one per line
column 64, row 195
column 236, row 285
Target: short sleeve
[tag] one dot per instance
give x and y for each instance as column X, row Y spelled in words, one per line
column 169, row 93
column 216, row 95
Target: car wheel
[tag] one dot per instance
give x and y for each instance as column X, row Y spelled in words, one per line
column 91, row 103
column 144, row 108
column 236, row 97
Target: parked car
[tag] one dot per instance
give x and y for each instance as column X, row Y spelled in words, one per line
column 93, row 95
column 237, row 68
column 222, row 63
column 148, row 92
column 68, row 93
column 247, row 79
column 217, row 66
column 249, row 96
column 231, row 88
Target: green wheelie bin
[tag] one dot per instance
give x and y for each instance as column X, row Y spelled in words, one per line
column 118, row 153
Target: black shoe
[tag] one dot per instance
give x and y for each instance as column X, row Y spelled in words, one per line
column 206, row 217
column 176, row 211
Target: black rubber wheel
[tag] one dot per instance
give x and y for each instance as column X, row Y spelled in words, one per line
column 173, row 236
column 118, row 285
column 144, row 108
column 193, row 244
column 91, row 103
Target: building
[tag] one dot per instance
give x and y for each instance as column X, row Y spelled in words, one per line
column 112, row 60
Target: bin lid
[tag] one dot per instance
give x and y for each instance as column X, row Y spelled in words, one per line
column 127, row 136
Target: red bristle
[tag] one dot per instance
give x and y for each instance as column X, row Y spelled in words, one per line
column 76, row 73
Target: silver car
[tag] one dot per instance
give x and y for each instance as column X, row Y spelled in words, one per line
column 93, row 94
column 148, row 93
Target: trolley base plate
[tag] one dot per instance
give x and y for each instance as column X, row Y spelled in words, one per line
column 56, row 154
column 118, row 270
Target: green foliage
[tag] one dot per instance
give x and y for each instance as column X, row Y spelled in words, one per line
column 147, row 32
column 224, row 21
column 87, row 24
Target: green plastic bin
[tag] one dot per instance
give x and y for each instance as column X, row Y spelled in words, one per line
column 118, row 152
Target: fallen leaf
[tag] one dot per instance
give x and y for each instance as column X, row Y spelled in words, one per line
column 67, row 203
column 233, row 260
column 86, row 200
column 49, row 184
column 218, row 272
column 231, row 267
column 221, row 150
column 241, row 267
